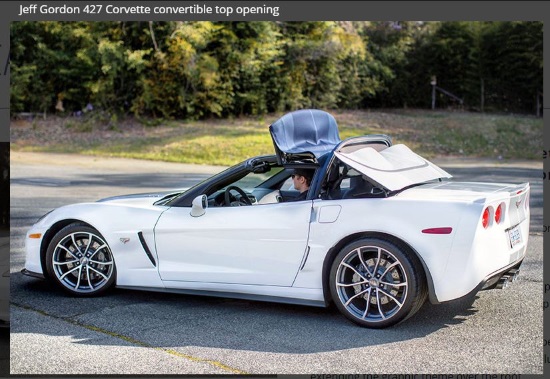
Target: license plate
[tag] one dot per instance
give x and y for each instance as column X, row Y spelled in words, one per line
column 515, row 236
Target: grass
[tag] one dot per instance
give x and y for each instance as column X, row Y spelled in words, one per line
column 225, row 142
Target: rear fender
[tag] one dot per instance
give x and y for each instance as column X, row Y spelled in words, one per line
column 383, row 236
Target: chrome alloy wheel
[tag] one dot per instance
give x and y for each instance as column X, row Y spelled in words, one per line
column 371, row 284
column 82, row 262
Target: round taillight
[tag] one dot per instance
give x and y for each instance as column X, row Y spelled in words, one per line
column 485, row 218
column 498, row 214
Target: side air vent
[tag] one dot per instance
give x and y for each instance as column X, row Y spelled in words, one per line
column 146, row 249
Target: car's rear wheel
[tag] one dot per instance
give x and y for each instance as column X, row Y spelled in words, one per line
column 79, row 260
column 376, row 284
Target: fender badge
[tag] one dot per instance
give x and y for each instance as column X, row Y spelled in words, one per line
column 125, row 240
column 518, row 203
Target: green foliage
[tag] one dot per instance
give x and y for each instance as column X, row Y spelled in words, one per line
column 514, row 74
column 494, row 66
column 190, row 70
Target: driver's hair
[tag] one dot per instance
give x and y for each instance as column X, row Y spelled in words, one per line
column 306, row 173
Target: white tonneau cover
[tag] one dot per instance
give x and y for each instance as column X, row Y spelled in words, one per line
column 393, row 168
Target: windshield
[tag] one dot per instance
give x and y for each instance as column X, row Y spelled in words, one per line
column 253, row 180
column 170, row 201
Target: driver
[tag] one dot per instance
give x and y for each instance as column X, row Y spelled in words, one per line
column 302, row 180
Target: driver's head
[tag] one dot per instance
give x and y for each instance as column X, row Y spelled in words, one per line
column 302, row 178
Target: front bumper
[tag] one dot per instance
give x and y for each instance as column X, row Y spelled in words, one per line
column 33, row 274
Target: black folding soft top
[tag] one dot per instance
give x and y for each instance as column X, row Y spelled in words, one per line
column 304, row 135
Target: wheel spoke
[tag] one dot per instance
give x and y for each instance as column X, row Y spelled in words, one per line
column 68, row 272
column 98, row 249
column 379, row 305
column 363, row 262
column 75, row 245
column 368, row 303
column 99, row 272
column 391, row 297
column 377, row 261
column 88, row 275
column 101, row 263
column 388, row 268
column 65, row 263
column 89, row 243
column 351, row 284
column 354, row 270
column 404, row 284
column 79, row 275
column 67, row 250
column 356, row 295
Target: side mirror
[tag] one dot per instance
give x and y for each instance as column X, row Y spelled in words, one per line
column 199, row 205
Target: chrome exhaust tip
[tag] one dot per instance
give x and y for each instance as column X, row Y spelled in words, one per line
column 503, row 282
column 513, row 274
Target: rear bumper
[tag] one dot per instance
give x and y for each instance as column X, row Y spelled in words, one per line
column 508, row 273
column 479, row 260
column 492, row 280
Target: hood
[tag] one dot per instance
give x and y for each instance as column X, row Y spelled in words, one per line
column 393, row 168
column 142, row 199
column 304, row 135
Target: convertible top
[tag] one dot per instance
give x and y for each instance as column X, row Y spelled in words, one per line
column 394, row 168
column 305, row 134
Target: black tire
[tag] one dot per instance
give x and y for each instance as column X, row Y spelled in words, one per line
column 80, row 262
column 376, row 284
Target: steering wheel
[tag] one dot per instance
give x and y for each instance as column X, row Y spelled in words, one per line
column 244, row 197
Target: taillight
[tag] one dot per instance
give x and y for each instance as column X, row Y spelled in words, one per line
column 485, row 218
column 498, row 214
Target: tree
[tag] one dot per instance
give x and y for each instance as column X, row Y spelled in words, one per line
column 514, row 56
column 219, row 69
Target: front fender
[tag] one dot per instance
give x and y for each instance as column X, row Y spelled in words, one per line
column 119, row 225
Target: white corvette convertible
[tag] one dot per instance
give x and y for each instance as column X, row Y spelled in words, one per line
column 380, row 231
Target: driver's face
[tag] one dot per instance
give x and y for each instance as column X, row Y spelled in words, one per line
column 299, row 182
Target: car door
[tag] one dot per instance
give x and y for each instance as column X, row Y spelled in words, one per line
column 257, row 244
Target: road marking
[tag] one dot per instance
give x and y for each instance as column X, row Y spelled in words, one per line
column 133, row 340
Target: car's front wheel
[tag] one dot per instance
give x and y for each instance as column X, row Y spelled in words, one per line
column 376, row 284
column 79, row 260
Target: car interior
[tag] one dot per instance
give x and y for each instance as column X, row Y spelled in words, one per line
column 271, row 185
column 274, row 185
column 344, row 182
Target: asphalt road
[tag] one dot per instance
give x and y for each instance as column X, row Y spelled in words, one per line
column 132, row 332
